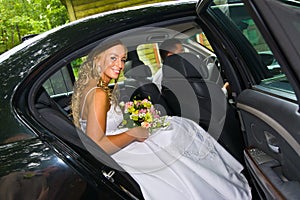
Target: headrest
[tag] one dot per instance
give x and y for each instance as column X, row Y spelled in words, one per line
column 137, row 70
column 187, row 65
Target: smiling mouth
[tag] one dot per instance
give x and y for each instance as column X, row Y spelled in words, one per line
column 116, row 71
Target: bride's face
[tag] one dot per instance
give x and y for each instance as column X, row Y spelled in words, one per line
column 113, row 61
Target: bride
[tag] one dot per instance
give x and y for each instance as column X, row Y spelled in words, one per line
column 180, row 161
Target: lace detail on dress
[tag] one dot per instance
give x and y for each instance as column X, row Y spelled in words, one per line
column 204, row 151
column 191, row 142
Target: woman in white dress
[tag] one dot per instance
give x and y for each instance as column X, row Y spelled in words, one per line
column 180, row 161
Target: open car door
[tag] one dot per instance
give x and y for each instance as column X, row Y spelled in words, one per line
column 258, row 46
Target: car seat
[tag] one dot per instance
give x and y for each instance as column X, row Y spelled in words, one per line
column 136, row 73
column 54, row 117
column 186, row 91
column 138, row 84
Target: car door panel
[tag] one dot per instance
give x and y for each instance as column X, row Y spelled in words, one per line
column 271, row 127
column 268, row 103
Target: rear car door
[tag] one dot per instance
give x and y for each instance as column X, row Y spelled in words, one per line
column 257, row 43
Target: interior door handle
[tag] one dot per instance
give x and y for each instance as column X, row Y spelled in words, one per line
column 272, row 142
column 274, row 148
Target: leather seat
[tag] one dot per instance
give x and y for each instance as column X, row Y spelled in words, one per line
column 136, row 74
column 135, row 71
column 55, row 118
column 138, row 83
column 186, row 91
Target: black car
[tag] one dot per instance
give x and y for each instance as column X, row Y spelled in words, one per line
column 251, row 44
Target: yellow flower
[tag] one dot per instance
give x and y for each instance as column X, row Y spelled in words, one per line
column 131, row 109
column 134, row 117
column 135, row 112
column 148, row 117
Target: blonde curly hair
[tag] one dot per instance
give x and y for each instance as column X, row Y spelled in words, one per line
column 89, row 70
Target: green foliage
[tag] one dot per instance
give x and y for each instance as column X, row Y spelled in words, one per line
column 76, row 65
column 19, row 18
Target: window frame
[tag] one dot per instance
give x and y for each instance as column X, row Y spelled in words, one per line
column 251, row 78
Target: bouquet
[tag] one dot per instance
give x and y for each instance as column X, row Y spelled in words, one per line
column 142, row 113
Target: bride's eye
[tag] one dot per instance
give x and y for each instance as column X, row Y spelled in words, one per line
column 124, row 60
column 114, row 58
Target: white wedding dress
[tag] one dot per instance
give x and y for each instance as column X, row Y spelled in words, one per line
column 180, row 162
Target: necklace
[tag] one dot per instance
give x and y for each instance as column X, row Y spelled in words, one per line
column 104, row 86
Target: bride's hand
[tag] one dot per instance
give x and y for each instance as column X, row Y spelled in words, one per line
column 139, row 133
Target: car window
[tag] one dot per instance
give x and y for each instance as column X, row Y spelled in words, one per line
column 75, row 64
column 59, row 83
column 149, row 53
column 277, row 83
column 202, row 39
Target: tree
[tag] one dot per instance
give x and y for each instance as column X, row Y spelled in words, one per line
column 19, row 18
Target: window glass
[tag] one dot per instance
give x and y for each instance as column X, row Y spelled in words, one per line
column 75, row 64
column 196, row 44
column 201, row 39
column 59, row 83
column 278, row 82
column 149, row 54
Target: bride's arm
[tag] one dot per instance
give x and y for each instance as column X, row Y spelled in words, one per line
column 97, row 105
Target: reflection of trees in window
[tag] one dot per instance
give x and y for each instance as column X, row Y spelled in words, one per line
column 254, row 36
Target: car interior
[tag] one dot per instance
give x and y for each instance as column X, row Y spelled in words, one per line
column 203, row 102
column 192, row 85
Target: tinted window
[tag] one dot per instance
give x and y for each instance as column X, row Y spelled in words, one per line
column 59, row 83
column 277, row 83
